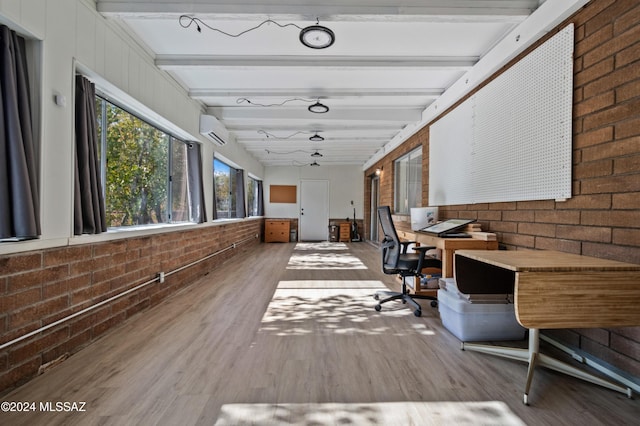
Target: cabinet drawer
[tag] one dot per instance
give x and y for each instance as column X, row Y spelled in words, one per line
column 276, row 231
column 345, row 232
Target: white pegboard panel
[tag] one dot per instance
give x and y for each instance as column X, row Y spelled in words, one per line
column 449, row 174
column 517, row 134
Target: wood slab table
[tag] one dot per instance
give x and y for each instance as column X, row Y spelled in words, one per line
column 562, row 290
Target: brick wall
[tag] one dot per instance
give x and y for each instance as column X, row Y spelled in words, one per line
column 40, row 287
column 602, row 219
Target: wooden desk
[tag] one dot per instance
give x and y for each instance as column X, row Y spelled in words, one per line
column 448, row 246
column 562, row 290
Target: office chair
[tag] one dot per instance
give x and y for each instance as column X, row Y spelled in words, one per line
column 396, row 261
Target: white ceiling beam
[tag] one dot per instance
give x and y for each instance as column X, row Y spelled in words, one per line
column 326, row 93
column 386, row 129
column 335, row 114
column 173, row 62
column 333, row 144
column 336, row 10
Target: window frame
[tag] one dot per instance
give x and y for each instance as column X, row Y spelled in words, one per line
column 252, row 208
column 402, row 178
column 232, row 190
column 172, row 139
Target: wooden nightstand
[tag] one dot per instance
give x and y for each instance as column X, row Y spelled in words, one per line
column 276, row 231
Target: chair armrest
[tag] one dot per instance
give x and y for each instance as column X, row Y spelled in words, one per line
column 405, row 244
column 426, row 261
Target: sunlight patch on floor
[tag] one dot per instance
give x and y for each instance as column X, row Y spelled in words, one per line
column 305, row 308
column 323, row 245
column 342, row 284
column 387, row 413
column 325, row 261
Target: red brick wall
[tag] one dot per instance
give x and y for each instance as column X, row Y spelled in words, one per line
column 40, row 287
column 602, row 219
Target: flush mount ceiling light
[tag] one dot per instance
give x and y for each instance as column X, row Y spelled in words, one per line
column 316, row 138
column 316, row 154
column 317, row 37
column 318, row 108
column 314, row 164
column 313, row 36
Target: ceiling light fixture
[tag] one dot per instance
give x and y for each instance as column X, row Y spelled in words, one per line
column 317, row 36
column 318, row 108
column 316, row 138
column 316, row 154
column 314, row 36
column 314, row 164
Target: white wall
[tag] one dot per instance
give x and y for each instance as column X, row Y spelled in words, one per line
column 74, row 34
column 346, row 184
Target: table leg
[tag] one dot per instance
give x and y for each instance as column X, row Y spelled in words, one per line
column 534, row 358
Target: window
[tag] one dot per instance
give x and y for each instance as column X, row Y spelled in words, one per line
column 408, row 181
column 228, row 190
column 254, row 197
column 144, row 170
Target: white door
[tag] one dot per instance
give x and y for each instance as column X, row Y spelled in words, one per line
column 314, row 210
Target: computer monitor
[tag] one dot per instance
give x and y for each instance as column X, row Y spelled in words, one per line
column 422, row 217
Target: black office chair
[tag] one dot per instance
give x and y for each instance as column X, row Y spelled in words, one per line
column 396, row 261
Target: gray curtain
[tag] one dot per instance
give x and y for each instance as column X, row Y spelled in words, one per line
column 89, row 211
column 260, row 211
column 215, row 198
column 196, row 189
column 241, row 209
column 19, row 194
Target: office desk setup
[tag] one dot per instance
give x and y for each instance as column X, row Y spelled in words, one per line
column 555, row 290
column 448, row 246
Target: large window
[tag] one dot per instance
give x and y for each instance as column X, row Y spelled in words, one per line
column 254, row 203
column 408, row 181
column 229, row 199
column 144, row 170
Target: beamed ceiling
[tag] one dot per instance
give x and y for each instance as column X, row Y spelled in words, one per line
column 391, row 61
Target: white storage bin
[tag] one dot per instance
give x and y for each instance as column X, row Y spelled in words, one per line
column 473, row 322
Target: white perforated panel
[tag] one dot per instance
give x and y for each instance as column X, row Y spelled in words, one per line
column 517, row 137
column 451, row 169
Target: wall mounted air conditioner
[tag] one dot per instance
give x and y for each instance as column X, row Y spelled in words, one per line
column 213, row 129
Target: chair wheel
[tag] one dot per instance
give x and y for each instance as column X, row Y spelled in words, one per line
column 376, row 296
column 417, row 312
column 434, row 304
column 378, row 307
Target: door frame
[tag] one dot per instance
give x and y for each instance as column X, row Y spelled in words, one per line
column 375, row 202
column 325, row 202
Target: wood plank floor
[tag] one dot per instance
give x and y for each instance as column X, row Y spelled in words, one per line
column 288, row 335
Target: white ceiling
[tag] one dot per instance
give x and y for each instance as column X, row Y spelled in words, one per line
column 391, row 59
